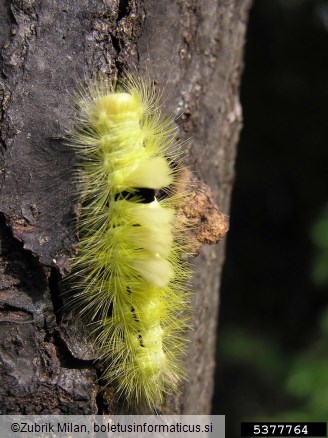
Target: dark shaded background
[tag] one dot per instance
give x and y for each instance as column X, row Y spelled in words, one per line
column 272, row 356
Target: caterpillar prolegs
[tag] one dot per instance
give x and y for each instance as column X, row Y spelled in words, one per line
column 130, row 274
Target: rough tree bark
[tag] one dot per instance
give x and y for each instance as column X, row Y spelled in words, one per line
column 191, row 47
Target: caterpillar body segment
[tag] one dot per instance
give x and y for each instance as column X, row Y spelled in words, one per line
column 131, row 280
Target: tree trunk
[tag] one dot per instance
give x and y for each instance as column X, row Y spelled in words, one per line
column 194, row 50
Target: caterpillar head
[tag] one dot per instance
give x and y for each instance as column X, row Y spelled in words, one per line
column 114, row 108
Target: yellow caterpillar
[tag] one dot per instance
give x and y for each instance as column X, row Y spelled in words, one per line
column 131, row 281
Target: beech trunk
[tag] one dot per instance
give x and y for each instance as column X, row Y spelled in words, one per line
column 191, row 48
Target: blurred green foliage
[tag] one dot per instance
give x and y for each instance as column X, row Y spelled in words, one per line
column 272, row 360
column 293, row 387
column 320, row 240
column 307, row 377
column 253, row 351
column 307, row 380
